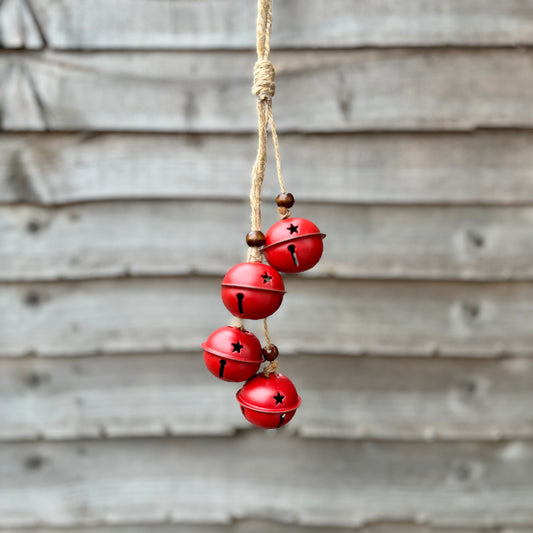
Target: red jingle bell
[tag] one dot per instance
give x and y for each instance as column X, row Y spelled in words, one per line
column 232, row 354
column 268, row 402
column 252, row 290
column 293, row 245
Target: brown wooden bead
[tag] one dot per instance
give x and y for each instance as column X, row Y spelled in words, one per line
column 255, row 238
column 285, row 199
column 270, row 353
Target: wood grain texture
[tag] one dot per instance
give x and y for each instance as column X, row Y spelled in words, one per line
column 481, row 167
column 385, row 317
column 317, row 91
column 343, row 397
column 315, row 482
column 297, row 23
column 170, row 238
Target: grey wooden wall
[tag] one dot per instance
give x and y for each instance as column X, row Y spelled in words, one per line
column 127, row 140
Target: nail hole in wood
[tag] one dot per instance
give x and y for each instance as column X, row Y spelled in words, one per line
column 34, row 379
column 467, row 387
column 471, row 309
column 33, row 226
column 475, row 238
column 34, row 462
column 463, row 472
column 32, row 298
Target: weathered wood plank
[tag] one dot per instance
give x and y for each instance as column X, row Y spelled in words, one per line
column 386, row 317
column 343, row 397
column 478, row 167
column 297, row 23
column 19, row 97
column 325, row 482
column 318, row 91
column 266, row 526
column 18, row 25
column 151, row 238
column 406, row 398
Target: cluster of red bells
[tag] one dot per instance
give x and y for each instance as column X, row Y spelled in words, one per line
column 255, row 291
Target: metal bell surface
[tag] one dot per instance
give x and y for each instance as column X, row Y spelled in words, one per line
column 252, row 290
column 293, row 245
column 268, row 402
column 232, row 354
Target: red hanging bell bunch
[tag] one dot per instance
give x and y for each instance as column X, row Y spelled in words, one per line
column 252, row 290
column 255, row 290
column 268, row 401
column 232, row 354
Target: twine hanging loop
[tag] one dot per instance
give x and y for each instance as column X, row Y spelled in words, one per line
column 271, row 368
column 264, row 88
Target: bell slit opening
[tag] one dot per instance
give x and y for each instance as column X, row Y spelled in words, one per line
column 292, row 250
column 240, row 298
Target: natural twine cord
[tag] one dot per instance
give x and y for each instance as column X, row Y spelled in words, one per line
column 237, row 322
column 264, row 88
column 272, row 366
column 283, row 211
column 265, row 330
